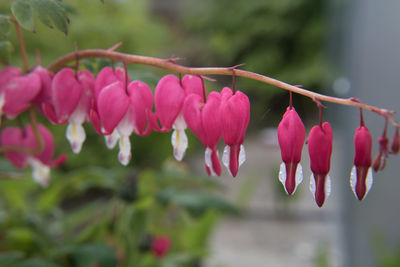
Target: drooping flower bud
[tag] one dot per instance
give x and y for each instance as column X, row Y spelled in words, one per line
column 320, row 150
column 204, row 120
column 14, row 136
column 291, row 136
column 235, row 116
column 361, row 175
column 379, row 162
column 396, row 142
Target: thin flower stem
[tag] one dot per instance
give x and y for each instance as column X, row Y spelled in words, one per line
column 21, row 44
column 172, row 66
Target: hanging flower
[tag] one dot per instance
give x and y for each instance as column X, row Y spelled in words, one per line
column 204, row 121
column 17, row 91
column 291, row 136
column 40, row 162
column 361, row 174
column 169, row 97
column 320, row 150
column 396, row 142
column 235, row 116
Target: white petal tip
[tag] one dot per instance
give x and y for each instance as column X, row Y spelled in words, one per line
column 179, row 143
column 76, row 136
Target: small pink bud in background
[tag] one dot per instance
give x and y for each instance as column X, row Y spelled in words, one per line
column 291, row 136
column 14, row 136
column 361, row 175
column 379, row 162
column 160, row 246
column 235, row 116
column 396, row 142
column 320, row 150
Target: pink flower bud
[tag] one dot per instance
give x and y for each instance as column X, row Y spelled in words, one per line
column 361, row 175
column 204, row 121
column 160, row 246
column 291, row 136
column 320, row 150
column 235, row 116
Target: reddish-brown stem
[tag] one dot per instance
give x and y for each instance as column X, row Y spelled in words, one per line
column 172, row 66
column 38, row 57
column 361, row 118
column 204, row 89
column 21, row 44
column 126, row 76
column 290, row 100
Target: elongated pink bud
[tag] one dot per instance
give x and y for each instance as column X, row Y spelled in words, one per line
column 235, row 115
column 361, row 174
column 203, row 119
column 291, row 136
column 320, row 150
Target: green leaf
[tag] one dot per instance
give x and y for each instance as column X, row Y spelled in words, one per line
column 22, row 12
column 4, row 25
column 51, row 13
column 6, row 50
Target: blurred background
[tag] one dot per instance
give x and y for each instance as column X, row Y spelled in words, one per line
column 97, row 213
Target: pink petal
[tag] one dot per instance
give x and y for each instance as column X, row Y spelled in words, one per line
column 141, row 99
column 112, row 105
column 13, row 136
column 19, row 92
column 67, row 92
column 193, row 84
column 168, row 99
column 320, row 148
column 7, row 74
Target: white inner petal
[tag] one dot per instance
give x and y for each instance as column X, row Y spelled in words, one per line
column 208, row 161
column 40, row 172
column 328, row 186
column 126, row 125
column 76, row 136
column 242, row 155
column 179, row 143
column 282, row 175
column 112, row 139
column 299, row 176
column 124, row 155
column 369, row 181
column 226, row 156
column 353, row 180
column 312, row 185
column 2, row 102
column 179, row 122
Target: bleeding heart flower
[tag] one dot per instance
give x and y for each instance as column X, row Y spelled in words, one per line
column 204, row 120
column 169, row 97
column 291, row 136
column 18, row 92
column 40, row 162
column 66, row 94
column 104, row 78
column 361, row 174
column 75, row 132
column 320, row 150
column 396, row 142
column 135, row 118
column 235, row 115
column 44, row 96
